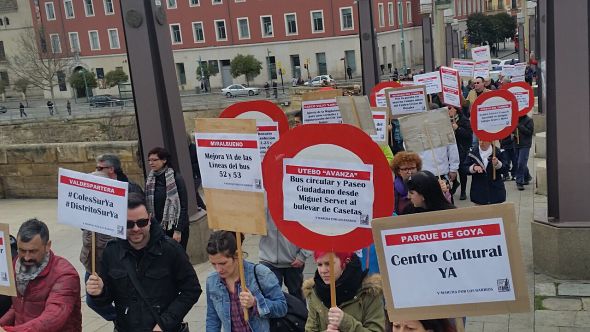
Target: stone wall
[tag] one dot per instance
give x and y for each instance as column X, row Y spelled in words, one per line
column 30, row 170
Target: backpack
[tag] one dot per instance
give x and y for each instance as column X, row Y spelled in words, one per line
column 294, row 320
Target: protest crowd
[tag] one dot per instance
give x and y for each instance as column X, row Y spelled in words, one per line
column 144, row 281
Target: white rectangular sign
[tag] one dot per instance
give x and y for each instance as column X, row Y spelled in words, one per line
column 380, row 119
column 481, row 53
column 450, row 85
column 430, row 80
column 268, row 134
column 93, row 203
column 229, row 161
column 507, row 70
column 519, row 72
column 321, row 111
column 449, row 263
column 465, row 67
column 327, row 193
column 482, row 69
column 494, row 117
column 409, row 100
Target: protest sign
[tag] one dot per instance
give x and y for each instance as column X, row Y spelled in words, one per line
column 451, row 263
column 92, row 203
column 377, row 97
column 518, row 72
column 406, row 100
column 271, row 121
column 482, row 69
column 7, row 283
column 230, row 165
column 381, row 119
column 427, row 131
column 524, row 95
column 430, row 80
column 321, row 107
column 481, row 53
column 507, row 70
column 356, row 111
column 465, row 67
column 494, row 115
column 324, row 185
column 451, row 88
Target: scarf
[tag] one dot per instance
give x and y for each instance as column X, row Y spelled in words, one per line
column 172, row 206
column 24, row 274
column 485, row 155
column 347, row 286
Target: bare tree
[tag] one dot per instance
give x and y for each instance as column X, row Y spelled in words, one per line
column 36, row 61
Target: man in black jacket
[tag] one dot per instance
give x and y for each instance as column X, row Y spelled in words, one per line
column 524, row 140
column 160, row 267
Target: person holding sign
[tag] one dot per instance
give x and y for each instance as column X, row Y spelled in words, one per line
column 166, row 196
column 48, row 286
column 262, row 303
column 359, row 298
column 478, row 89
column 404, row 165
column 479, row 163
column 524, row 140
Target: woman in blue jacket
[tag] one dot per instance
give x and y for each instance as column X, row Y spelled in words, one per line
column 480, row 164
column 225, row 298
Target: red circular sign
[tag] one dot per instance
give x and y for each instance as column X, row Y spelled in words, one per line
column 484, row 100
column 262, row 106
column 378, row 87
column 521, row 87
column 350, row 138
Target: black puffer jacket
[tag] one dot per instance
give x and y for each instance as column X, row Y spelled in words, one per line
column 526, row 129
column 463, row 136
column 164, row 271
column 484, row 189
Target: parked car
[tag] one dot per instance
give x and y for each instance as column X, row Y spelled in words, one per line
column 317, row 81
column 3, row 109
column 498, row 64
column 105, row 100
column 239, row 90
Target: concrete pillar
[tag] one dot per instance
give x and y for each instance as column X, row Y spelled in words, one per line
column 427, row 44
column 439, row 34
column 369, row 46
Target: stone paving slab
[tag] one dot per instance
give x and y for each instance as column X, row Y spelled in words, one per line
column 573, row 289
column 556, row 303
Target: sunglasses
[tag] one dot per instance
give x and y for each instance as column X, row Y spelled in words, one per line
column 141, row 223
column 100, row 168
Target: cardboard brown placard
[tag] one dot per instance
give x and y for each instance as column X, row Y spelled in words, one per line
column 426, row 131
column 232, row 210
column 11, row 289
column 356, row 111
column 394, row 114
column 321, row 95
column 387, row 123
column 504, row 211
column 321, row 107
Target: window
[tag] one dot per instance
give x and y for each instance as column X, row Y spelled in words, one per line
column 114, row 39
column 220, row 30
column 74, row 42
column 94, row 41
column 88, row 8
column 69, row 8
column 175, row 34
column 4, row 78
column 198, row 33
column 266, row 26
column 109, row 8
column 50, row 11
column 180, row 73
column 291, row 24
column 409, row 12
column 346, row 22
column 381, row 15
column 2, row 53
column 193, row 3
column 55, row 44
column 244, row 28
column 390, row 14
column 317, row 21
column 322, row 64
column 218, row 2
column 171, row 4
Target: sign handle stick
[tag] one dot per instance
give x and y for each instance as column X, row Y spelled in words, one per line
column 332, row 282
column 493, row 156
column 459, row 324
column 517, row 136
column 241, row 268
column 93, row 253
column 432, row 149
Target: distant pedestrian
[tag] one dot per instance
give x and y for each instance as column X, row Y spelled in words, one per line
column 69, row 107
column 524, row 139
column 349, row 72
column 267, row 89
column 21, row 107
column 50, row 107
column 275, row 89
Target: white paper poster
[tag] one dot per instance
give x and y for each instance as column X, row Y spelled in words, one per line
column 465, row 67
column 482, row 69
column 328, row 193
column 380, row 126
column 522, row 96
column 451, row 263
column 507, row 70
column 494, row 115
column 481, row 53
column 268, row 134
column 4, row 259
column 380, row 99
column 430, row 80
column 450, row 85
column 408, row 100
column 229, row 161
column 93, row 203
column 518, row 72
column 321, row 111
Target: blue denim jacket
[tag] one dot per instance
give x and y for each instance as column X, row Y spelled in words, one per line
column 270, row 305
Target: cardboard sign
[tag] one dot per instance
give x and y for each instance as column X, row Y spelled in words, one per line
column 494, row 115
column 321, row 107
column 381, row 121
column 481, row 53
column 7, row 283
column 426, row 131
column 518, row 72
column 356, row 111
column 229, row 159
column 324, row 182
column 270, row 120
column 93, row 203
column 451, row 263
column 430, row 80
column 407, row 100
column 451, row 90
column 524, row 95
column 377, row 97
column 482, row 69
column 465, row 67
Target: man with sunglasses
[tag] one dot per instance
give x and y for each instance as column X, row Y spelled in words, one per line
column 478, row 89
column 147, row 265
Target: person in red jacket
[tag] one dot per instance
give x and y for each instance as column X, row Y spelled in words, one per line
column 48, row 286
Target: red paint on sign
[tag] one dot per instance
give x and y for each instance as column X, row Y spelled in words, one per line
column 227, row 143
column 443, row 235
column 92, row 186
